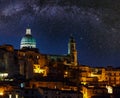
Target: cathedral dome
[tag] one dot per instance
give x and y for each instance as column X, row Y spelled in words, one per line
column 28, row 41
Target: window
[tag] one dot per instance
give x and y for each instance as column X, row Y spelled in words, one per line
column 32, row 96
column 58, row 93
column 26, row 92
column 46, row 96
column 114, row 78
column 114, row 74
column 45, row 92
column 32, row 92
column 109, row 74
column 69, row 97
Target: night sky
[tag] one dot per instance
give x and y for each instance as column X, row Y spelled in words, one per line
column 95, row 24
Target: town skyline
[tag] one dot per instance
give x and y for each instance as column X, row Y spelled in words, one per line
column 59, row 49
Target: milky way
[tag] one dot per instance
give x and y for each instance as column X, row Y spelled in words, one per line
column 95, row 26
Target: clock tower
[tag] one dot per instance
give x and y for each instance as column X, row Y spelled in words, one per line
column 72, row 51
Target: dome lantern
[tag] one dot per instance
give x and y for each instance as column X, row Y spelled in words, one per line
column 28, row 31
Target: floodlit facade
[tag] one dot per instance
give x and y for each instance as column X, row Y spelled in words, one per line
column 100, row 75
column 95, row 92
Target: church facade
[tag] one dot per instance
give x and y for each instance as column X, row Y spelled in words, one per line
column 29, row 62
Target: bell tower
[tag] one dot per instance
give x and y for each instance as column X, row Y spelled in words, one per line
column 72, row 51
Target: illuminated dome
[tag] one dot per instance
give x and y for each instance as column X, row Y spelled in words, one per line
column 28, row 41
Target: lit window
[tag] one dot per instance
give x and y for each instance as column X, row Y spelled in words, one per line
column 16, row 95
column 46, row 96
column 1, row 93
column 10, row 96
column 110, row 90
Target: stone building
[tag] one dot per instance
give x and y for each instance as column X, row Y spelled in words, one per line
column 95, row 92
column 32, row 62
column 56, row 93
column 8, row 61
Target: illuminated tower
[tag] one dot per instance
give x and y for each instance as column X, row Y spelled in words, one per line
column 72, row 51
column 28, row 41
